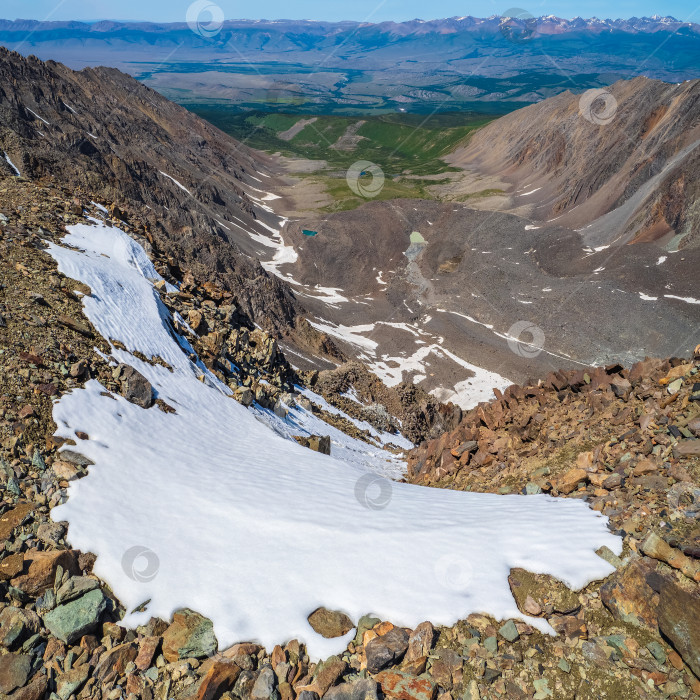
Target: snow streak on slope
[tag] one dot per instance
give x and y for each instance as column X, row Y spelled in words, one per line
column 255, row 531
column 12, row 165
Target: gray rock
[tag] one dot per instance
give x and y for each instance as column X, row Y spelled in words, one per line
column 244, row 396
column 75, row 458
column 387, row 649
column 71, row 621
column 51, row 533
column 16, row 625
column 509, row 631
column 189, row 635
column 308, row 695
column 679, row 612
column 75, row 587
column 71, row 681
column 264, row 685
column 135, row 388
column 244, row 685
column 362, row 689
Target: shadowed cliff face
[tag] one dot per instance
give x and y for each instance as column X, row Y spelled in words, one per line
column 197, row 192
column 619, row 163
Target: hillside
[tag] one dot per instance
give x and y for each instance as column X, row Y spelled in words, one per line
column 624, row 173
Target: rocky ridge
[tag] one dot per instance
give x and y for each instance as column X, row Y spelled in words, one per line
column 174, row 177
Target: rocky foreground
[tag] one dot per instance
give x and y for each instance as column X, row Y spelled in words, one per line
column 624, row 440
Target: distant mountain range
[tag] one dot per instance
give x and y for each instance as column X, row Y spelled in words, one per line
column 492, row 64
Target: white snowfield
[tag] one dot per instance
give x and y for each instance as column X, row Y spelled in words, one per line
column 254, row 531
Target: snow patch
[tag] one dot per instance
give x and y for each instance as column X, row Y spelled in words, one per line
column 38, row 117
column 12, row 165
column 687, row 300
column 238, row 516
column 179, row 184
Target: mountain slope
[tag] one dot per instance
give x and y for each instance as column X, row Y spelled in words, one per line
column 629, row 152
column 107, row 134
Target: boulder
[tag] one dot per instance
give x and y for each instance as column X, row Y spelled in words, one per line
column 320, row 443
column 75, row 587
column 189, row 636
column 569, row 481
column 325, row 676
column 628, row 596
column 679, row 622
column 14, row 671
column 689, row 447
column 72, row 681
column 265, row 683
column 36, row 690
column 221, row 676
column 11, row 565
column 112, row 663
column 148, row 646
column 41, row 573
column 403, row 686
column 16, row 625
column 71, row 621
column 387, row 649
column 535, row 593
column 330, row 623
column 12, row 518
column 420, row 642
column 135, row 388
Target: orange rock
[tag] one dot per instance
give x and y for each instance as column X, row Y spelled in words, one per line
column 569, row 481
column 382, row 628
column 279, row 656
column 644, row 466
column 41, row 574
column 676, row 373
column 403, row 686
column 147, row 650
column 245, row 649
column 10, row 520
column 220, row 677
column 586, row 461
column 675, row 660
column 11, row 566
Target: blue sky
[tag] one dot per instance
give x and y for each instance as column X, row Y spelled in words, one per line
column 370, row 10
